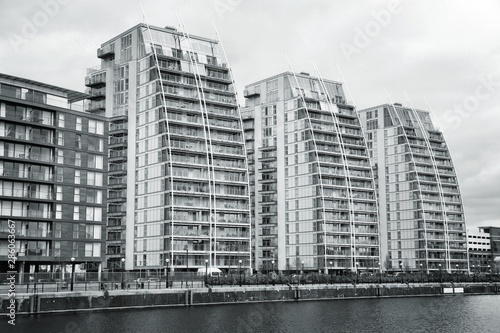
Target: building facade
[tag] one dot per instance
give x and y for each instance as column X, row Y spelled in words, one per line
column 483, row 244
column 421, row 212
column 178, row 182
column 53, row 166
column 313, row 192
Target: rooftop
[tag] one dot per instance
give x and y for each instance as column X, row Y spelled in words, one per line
column 71, row 95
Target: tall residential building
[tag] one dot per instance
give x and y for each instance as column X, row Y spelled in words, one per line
column 312, row 185
column 421, row 212
column 53, row 163
column 178, row 182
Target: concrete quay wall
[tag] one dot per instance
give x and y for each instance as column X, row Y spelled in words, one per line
column 127, row 299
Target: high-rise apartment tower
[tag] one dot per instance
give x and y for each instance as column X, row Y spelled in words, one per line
column 421, row 212
column 178, row 183
column 313, row 189
column 53, row 163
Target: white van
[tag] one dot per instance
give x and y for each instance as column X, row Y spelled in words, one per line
column 211, row 271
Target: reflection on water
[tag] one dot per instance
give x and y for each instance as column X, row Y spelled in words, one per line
column 418, row 314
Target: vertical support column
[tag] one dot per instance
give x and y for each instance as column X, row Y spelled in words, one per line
column 20, row 272
column 99, row 273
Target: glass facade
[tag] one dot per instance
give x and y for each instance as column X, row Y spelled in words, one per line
column 310, row 149
column 189, row 168
column 421, row 205
column 42, row 148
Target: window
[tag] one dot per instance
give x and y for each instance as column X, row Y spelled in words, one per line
column 60, row 139
column 57, row 230
column 57, row 248
column 78, row 123
column 94, row 178
column 59, row 194
column 76, row 233
column 95, row 144
column 77, row 176
column 60, row 156
column 78, row 141
column 93, row 232
column 96, row 127
column 75, row 249
column 77, row 195
column 78, row 159
column 95, row 162
column 94, row 196
column 76, row 213
column 58, row 211
column 93, row 214
column 92, row 249
column 61, row 120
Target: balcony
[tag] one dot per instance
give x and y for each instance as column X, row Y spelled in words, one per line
column 96, row 80
column 250, row 92
column 117, row 182
column 106, row 51
column 96, row 106
column 97, row 93
column 117, row 154
column 116, row 128
column 113, row 141
column 35, row 252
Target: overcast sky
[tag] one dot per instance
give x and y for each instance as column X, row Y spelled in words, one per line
column 447, row 51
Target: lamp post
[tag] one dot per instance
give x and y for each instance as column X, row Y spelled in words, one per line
column 72, row 272
column 302, row 274
column 379, row 273
column 357, row 272
column 187, row 258
column 231, row 272
column 239, row 262
column 123, row 282
column 421, row 273
column 166, row 282
column 331, row 271
column 206, row 270
column 440, row 274
column 272, row 273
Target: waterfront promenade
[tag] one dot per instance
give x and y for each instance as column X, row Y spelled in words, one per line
column 67, row 301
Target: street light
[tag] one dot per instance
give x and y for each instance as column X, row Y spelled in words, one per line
column 187, row 257
column 239, row 262
column 302, row 274
column 72, row 272
column 123, row 283
column 272, row 274
column 166, row 282
column 440, row 274
column 331, row 271
column 206, row 270
column 357, row 272
column 421, row 273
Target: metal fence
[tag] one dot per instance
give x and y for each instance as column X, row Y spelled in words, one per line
column 81, row 281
